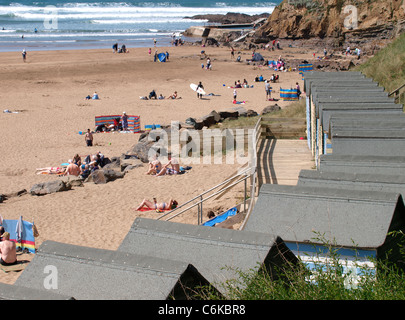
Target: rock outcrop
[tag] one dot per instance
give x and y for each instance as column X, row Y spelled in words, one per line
column 230, row 17
column 337, row 22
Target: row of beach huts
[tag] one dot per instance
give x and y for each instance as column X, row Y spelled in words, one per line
column 351, row 202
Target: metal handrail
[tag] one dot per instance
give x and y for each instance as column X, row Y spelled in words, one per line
column 205, row 192
column 250, row 171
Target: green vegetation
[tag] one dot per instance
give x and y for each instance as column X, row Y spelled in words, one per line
column 387, row 67
column 294, row 110
column 323, row 282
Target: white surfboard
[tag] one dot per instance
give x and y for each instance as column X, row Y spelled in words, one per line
column 199, row 90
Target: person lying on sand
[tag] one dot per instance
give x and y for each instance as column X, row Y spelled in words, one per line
column 51, row 170
column 157, row 206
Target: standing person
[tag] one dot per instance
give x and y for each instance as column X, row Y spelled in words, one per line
column 267, row 88
column 150, row 51
column 232, row 52
column 155, row 56
column 124, row 121
column 199, row 95
column 358, row 53
column 235, row 93
column 298, row 89
column 208, row 63
column 24, row 55
column 154, row 42
column 115, row 47
column 89, row 138
column 8, row 251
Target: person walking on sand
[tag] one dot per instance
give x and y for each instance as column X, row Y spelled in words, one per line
column 89, row 138
column 267, row 88
column 24, row 54
column 199, row 95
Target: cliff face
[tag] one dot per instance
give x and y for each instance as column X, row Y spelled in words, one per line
column 341, row 20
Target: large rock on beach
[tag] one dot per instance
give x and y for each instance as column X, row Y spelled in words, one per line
column 228, row 114
column 270, row 109
column 72, row 181
column 44, row 188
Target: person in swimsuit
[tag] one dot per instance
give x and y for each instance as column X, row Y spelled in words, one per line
column 157, row 206
column 8, row 252
column 175, row 168
column 155, row 167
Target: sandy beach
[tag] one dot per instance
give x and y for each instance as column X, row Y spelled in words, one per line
column 48, row 91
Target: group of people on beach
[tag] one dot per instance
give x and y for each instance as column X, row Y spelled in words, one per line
column 153, row 95
column 123, row 48
column 77, row 167
column 119, row 124
column 156, row 168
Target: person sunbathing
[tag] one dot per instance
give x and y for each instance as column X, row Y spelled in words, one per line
column 157, row 206
column 72, row 169
column 173, row 96
column 8, row 251
column 155, row 167
column 175, row 168
column 51, row 170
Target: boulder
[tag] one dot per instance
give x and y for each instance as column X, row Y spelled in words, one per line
column 270, row 109
column 242, row 112
column 72, row 181
column 208, row 120
column 111, row 175
column 229, row 114
column 216, row 115
column 133, row 163
column 97, row 177
column 43, row 188
column 251, row 113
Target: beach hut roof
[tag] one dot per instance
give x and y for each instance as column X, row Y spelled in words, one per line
column 325, row 110
column 351, row 98
column 218, row 253
column 377, row 164
column 15, row 292
column 366, row 122
column 90, row 273
column 299, row 214
column 352, row 180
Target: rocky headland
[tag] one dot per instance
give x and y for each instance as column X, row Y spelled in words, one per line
column 318, row 24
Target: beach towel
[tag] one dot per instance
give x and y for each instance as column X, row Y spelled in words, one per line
column 221, row 218
column 149, row 209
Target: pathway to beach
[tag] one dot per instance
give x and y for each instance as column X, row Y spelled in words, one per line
column 48, row 92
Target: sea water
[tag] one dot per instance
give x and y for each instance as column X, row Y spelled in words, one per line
column 56, row 24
